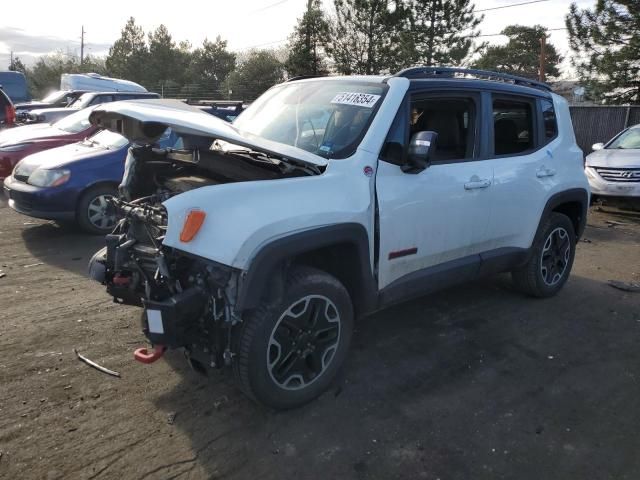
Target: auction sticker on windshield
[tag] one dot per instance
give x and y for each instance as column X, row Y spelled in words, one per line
column 354, row 98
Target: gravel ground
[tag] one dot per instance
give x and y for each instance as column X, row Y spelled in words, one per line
column 471, row 383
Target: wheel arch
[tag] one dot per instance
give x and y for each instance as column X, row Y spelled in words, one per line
column 341, row 250
column 573, row 203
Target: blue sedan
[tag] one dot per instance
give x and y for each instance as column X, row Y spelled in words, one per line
column 73, row 183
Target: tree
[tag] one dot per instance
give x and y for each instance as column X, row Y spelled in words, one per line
column 129, row 54
column 521, row 54
column 211, row 64
column 16, row 65
column 366, row 36
column 605, row 41
column 255, row 74
column 306, row 44
column 164, row 64
column 441, row 32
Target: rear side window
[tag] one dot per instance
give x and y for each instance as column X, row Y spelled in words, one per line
column 549, row 119
column 101, row 99
column 512, row 126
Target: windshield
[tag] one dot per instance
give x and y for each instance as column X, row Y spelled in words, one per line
column 108, row 139
column 76, row 122
column 82, row 101
column 54, row 97
column 328, row 118
column 628, row 140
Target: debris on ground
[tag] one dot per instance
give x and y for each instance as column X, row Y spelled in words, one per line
column 613, row 223
column 2, row 274
column 626, row 286
column 33, row 265
column 93, row 364
column 171, row 417
column 586, row 240
column 221, row 401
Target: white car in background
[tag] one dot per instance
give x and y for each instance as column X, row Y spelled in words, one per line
column 613, row 169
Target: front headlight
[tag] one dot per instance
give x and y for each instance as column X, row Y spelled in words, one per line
column 16, row 147
column 48, row 178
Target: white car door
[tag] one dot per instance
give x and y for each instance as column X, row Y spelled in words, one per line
column 433, row 223
column 527, row 159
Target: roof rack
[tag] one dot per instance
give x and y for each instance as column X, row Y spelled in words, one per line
column 303, row 77
column 454, row 72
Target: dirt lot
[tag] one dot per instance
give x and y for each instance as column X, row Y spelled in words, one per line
column 475, row 382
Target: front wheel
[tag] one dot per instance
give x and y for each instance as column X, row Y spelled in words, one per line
column 550, row 264
column 93, row 212
column 289, row 353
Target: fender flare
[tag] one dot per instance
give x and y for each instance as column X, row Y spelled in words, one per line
column 275, row 253
column 573, row 195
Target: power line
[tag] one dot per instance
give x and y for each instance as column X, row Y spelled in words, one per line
column 503, row 35
column 512, row 5
column 266, row 7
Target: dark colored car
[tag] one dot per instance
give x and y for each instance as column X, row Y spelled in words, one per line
column 60, row 98
column 7, row 111
column 73, row 183
column 16, row 143
column 226, row 110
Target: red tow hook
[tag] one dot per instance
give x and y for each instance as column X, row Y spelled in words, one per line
column 145, row 356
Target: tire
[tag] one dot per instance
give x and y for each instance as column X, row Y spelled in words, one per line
column 269, row 367
column 91, row 210
column 549, row 266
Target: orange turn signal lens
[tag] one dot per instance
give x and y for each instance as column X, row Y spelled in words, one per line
column 192, row 224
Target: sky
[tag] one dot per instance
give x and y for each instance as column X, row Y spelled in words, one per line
column 36, row 27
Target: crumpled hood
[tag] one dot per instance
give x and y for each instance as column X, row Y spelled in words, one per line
column 144, row 121
column 614, row 158
column 39, row 131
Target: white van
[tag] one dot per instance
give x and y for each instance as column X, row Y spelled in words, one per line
column 97, row 83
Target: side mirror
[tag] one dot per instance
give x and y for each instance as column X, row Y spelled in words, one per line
column 597, row 146
column 421, row 146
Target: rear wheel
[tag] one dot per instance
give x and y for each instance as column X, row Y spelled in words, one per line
column 289, row 353
column 92, row 212
column 550, row 264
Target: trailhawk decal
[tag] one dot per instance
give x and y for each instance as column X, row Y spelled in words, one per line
column 354, row 98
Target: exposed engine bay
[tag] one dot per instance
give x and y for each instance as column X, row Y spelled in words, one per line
column 188, row 300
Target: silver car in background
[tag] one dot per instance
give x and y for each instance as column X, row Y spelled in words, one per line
column 613, row 169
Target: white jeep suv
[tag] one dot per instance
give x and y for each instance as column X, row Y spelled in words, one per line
column 257, row 244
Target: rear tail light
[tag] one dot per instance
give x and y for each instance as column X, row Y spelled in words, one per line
column 9, row 114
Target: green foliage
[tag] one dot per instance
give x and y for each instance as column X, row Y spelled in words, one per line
column 521, row 54
column 44, row 76
column 366, row 36
column 306, row 44
column 17, row 66
column 606, row 44
column 440, row 32
column 211, row 64
column 129, row 54
column 260, row 70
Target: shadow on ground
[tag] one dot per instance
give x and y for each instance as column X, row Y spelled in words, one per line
column 475, row 382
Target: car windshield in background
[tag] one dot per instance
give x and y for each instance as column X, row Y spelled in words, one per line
column 328, row 118
column 108, row 139
column 74, row 123
column 628, row 140
column 82, row 101
column 54, row 97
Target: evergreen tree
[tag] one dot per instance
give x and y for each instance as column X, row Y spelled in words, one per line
column 260, row 70
column 129, row 54
column 163, row 64
column 16, row 65
column 211, row 64
column 306, row 44
column 366, row 36
column 606, row 44
column 521, row 54
column 441, row 32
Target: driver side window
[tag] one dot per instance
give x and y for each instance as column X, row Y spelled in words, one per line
column 453, row 119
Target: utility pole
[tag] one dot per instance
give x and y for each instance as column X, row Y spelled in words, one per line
column 82, row 47
column 543, row 59
column 11, row 62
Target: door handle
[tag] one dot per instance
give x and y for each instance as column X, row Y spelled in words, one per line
column 545, row 172
column 477, row 184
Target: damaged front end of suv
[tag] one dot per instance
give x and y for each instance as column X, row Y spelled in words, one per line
column 188, row 299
